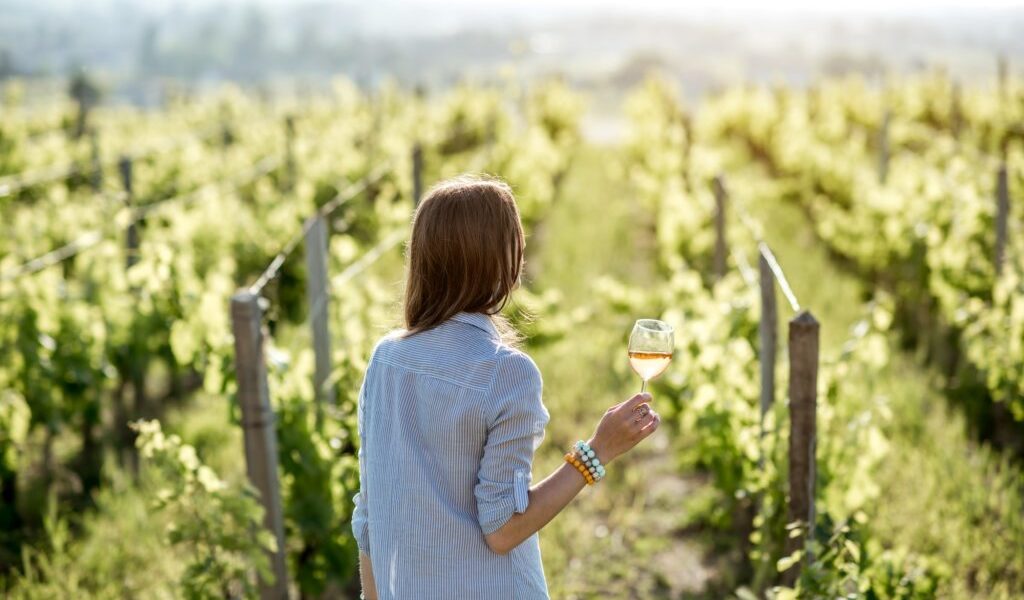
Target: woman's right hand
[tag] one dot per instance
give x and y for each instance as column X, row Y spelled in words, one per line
column 624, row 426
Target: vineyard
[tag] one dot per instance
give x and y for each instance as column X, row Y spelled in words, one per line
column 189, row 296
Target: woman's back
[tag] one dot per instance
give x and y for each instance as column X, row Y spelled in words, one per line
column 449, row 419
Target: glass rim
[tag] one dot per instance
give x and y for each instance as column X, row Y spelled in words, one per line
column 654, row 325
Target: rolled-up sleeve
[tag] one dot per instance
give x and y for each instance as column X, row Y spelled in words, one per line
column 514, row 431
column 360, row 515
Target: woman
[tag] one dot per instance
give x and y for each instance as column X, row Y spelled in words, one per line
column 450, row 415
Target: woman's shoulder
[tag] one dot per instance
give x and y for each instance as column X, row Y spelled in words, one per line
column 513, row 362
column 386, row 340
column 517, row 385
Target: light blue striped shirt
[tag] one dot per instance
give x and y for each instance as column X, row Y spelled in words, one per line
column 449, row 420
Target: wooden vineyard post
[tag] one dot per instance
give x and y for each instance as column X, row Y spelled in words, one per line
column 136, row 365
column 803, row 388
column 316, row 293
column 883, row 148
column 417, row 173
column 85, row 94
column 227, row 137
column 258, row 427
column 767, row 335
column 289, row 151
column 97, row 166
column 721, row 195
column 1002, row 214
column 132, row 234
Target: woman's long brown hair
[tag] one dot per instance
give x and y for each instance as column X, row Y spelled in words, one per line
column 466, row 252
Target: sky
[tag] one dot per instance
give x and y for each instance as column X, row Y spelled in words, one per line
column 746, row 5
column 663, row 6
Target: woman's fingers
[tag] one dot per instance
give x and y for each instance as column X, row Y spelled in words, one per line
column 636, row 401
column 640, row 412
column 644, row 421
column 650, row 424
column 624, row 425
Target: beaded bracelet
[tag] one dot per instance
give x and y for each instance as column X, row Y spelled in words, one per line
column 590, row 459
column 575, row 461
column 586, row 462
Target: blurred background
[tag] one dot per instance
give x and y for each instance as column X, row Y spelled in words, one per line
column 204, row 203
column 138, row 49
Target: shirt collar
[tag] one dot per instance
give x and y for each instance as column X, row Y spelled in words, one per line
column 478, row 320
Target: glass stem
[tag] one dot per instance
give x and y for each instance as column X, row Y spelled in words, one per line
column 643, row 386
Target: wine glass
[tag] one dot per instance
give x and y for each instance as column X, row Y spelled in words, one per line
column 650, row 348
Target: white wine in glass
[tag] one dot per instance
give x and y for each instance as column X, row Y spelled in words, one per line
column 650, row 349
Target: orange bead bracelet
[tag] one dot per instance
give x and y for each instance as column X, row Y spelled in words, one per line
column 574, row 460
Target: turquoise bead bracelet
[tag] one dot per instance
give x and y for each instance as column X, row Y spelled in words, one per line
column 590, row 460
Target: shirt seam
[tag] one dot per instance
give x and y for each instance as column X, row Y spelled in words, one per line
column 461, row 384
